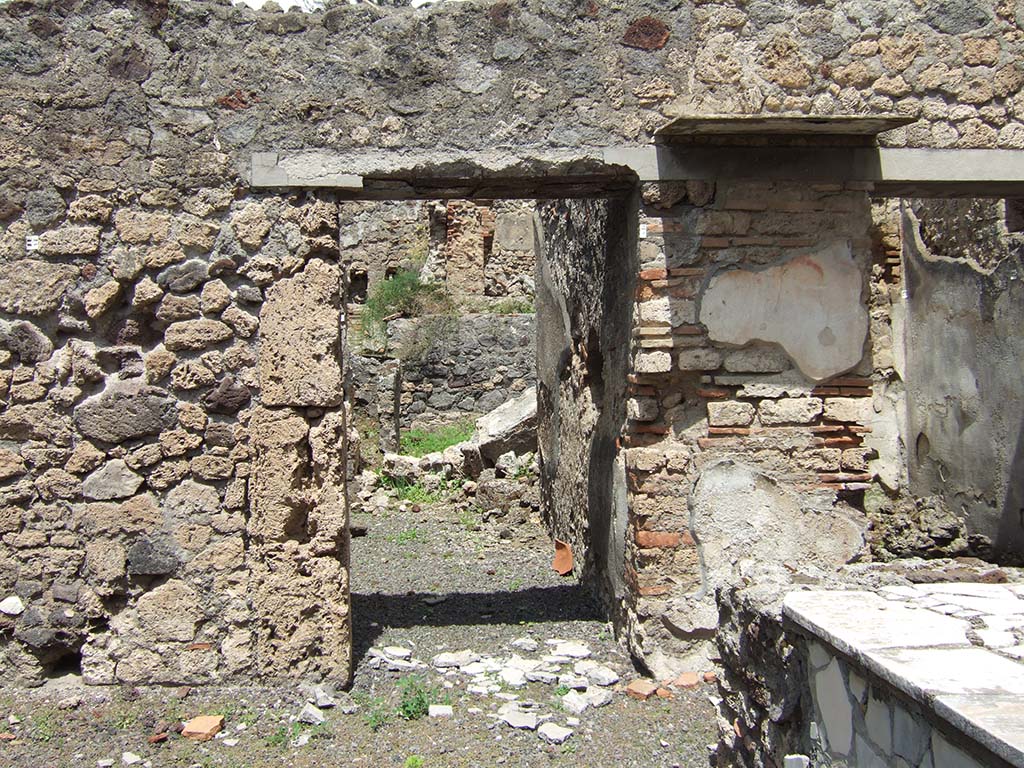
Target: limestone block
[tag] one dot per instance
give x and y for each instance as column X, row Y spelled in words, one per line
column 125, row 410
column 878, row 720
column 174, row 308
column 101, row 299
column 195, row 334
column 730, row 414
column 300, row 339
column 856, row 410
column 30, row 287
column 242, row 323
column 112, row 481
column 34, row 421
column 190, row 499
column 141, row 227
column 70, row 241
column 104, row 561
column 667, row 311
column 11, row 465
column 25, row 340
column 146, row 292
column 789, row 410
column 251, row 225
column 135, row 515
column 699, row 359
column 170, row 612
column 279, row 506
column 835, row 707
column 810, row 305
column 509, row 427
column 215, row 297
column 653, row 362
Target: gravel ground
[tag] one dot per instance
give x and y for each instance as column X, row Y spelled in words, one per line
column 429, row 580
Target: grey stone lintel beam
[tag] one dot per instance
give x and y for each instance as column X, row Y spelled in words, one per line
column 596, row 172
column 891, row 172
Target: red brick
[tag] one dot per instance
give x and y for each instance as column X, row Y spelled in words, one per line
column 653, row 274
column 713, row 394
column 655, row 590
column 659, row 539
column 641, row 689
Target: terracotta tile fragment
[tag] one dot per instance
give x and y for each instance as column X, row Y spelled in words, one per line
column 203, row 728
column 641, row 689
column 563, row 558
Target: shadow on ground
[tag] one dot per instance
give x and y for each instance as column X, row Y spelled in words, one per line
column 375, row 612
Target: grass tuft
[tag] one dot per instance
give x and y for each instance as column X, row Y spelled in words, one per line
column 420, row 442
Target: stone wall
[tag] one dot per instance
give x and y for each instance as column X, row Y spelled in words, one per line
column 746, row 432
column 462, row 367
column 964, row 429
column 173, row 392
column 170, row 508
column 586, row 268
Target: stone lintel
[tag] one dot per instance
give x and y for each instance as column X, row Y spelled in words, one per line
column 782, row 125
column 597, row 172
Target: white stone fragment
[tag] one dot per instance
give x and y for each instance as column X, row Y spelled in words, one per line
column 130, row 758
column 440, row 710
column 540, row 676
column 459, row 659
column 598, row 697
column 513, row 677
column 311, row 715
column 12, row 606
column 796, row 761
column 576, row 682
column 575, row 702
column 526, row 721
column 527, row 644
column 398, row 652
column 554, row 734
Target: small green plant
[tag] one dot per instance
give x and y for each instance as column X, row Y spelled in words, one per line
column 406, row 491
column 403, row 295
column 513, row 306
column 469, row 518
column 415, row 697
column 569, row 748
column 413, row 761
column 44, row 725
column 376, row 713
column 407, row 536
column 561, row 690
column 420, row 442
column 515, row 584
column 284, row 735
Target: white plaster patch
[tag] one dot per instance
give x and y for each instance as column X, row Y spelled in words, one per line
column 811, row 306
column 835, row 708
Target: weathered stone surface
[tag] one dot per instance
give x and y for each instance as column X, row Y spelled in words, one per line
column 251, row 225
column 739, row 512
column 215, row 296
column 789, row 410
column 136, row 515
column 730, row 414
column 11, row 465
column 300, row 337
column 125, row 410
column 195, row 334
column 510, row 427
column 152, row 557
column 174, row 308
column 170, row 612
column 101, row 299
column 113, row 481
column 227, row 397
column 70, row 241
column 30, row 287
column 25, row 340
column 810, row 305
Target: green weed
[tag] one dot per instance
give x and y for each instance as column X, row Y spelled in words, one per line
column 403, row 295
column 561, row 690
column 407, row 536
column 420, row 442
column 515, row 584
column 413, row 761
column 415, row 697
column 44, row 725
column 513, row 306
column 406, row 491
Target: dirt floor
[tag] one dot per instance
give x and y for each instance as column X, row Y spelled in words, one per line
column 427, row 579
